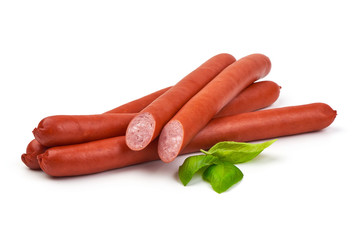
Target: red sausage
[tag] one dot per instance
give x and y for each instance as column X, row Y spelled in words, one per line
column 147, row 125
column 72, row 129
column 265, row 124
column 111, row 153
column 33, row 149
column 61, row 130
column 197, row 112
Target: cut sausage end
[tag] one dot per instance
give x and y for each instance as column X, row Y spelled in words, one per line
column 140, row 131
column 170, row 141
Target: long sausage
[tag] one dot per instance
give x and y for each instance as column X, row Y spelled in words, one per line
column 72, row 129
column 197, row 112
column 147, row 125
column 61, row 130
column 106, row 154
column 265, row 124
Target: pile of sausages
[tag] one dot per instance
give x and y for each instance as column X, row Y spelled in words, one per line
column 216, row 102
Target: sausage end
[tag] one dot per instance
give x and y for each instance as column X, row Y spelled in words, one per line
column 37, row 132
column 140, row 131
column 32, row 150
column 42, row 160
column 170, row 141
column 30, row 161
column 328, row 114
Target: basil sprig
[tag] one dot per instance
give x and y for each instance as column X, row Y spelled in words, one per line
column 218, row 163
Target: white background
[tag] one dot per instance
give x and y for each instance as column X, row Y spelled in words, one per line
column 85, row 57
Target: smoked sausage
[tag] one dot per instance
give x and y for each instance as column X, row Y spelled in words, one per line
column 61, row 130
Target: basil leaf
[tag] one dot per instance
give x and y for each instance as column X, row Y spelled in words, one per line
column 237, row 152
column 193, row 164
column 222, row 176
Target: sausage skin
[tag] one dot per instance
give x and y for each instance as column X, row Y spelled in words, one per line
column 72, row 129
column 147, row 125
column 197, row 112
column 265, row 124
column 256, row 96
column 61, row 130
column 111, row 153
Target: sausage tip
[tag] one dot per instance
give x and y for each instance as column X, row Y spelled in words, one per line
column 38, row 135
column 41, row 162
column 29, row 161
column 266, row 59
column 23, row 158
column 35, row 133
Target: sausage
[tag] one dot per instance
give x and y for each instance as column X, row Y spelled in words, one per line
column 72, row 129
column 61, row 130
column 147, row 125
column 197, row 112
column 265, row 124
column 111, row 153
column 33, row 149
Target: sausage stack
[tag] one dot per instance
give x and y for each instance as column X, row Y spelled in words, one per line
column 221, row 100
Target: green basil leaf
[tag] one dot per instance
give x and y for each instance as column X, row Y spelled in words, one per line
column 237, row 152
column 192, row 165
column 222, row 176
